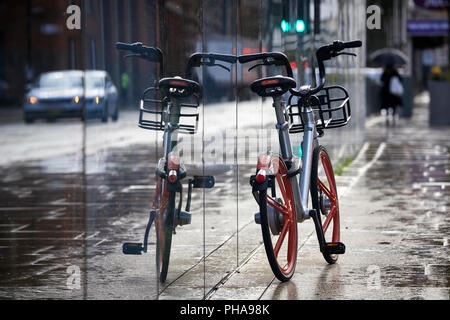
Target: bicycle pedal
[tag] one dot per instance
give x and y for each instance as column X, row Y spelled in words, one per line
column 184, row 218
column 203, row 182
column 132, row 248
column 257, row 218
column 335, row 248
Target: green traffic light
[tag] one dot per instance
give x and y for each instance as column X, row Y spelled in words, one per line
column 300, row 26
column 285, row 26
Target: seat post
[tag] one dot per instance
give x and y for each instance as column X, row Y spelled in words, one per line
column 283, row 129
column 173, row 121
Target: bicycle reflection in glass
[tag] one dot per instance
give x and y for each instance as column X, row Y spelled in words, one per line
column 173, row 110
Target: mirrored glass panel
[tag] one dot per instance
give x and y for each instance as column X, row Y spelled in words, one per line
column 120, row 157
column 219, row 120
column 41, row 166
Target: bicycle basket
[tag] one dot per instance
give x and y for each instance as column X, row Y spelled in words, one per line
column 332, row 107
column 153, row 113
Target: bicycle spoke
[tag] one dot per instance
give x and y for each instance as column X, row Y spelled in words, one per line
column 281, row 186
column 330, row 217
column 330, row 178
column 325, row 190
column 281, row 238
column 278, row 206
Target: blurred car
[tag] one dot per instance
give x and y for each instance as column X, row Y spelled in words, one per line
column 62, row 94
column 101, row 96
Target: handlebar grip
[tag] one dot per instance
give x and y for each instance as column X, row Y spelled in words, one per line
column 224, row 57
column 353, row 44
column 125, row 46
column 195, row 60
column 147, row 53
column 251, row 57
column 280, row 58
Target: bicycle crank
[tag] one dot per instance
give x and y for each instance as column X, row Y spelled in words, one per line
column 325, row 204
column 183, row 218
column 132, row 248
column 326, row 247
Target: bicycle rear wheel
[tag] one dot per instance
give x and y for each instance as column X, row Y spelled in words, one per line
column 325, row 198
column 164, row 231
column 279, row 225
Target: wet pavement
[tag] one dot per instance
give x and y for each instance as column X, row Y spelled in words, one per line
column 64, row 217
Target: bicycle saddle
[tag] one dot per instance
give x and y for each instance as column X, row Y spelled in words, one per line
column 179, row 87
column 272, row 87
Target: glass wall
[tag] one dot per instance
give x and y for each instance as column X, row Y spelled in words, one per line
column 219, row 205
column 41, row 165
column 119, row 178
column 89, row 184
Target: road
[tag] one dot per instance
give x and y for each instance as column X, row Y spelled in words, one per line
column 64, row 217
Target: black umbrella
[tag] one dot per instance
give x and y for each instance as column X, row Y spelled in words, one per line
column 389, row 56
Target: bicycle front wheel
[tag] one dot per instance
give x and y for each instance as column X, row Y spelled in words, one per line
column 164, row 231
column 325, row 198
column 279, row 224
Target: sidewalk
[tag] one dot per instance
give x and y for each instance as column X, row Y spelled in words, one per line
column 394, row 204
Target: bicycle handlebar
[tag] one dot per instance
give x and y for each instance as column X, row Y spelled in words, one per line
column 208, row 59
column 196, row 59
column 144, row 52
column 269, row 58
column 330, row 51
column 125, row 46
column 353, row 44
column 323, row 54
column 147, row 53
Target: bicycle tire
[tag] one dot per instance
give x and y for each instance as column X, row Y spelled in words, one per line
column 164, row 231
column 318, row 190
column 283, row 270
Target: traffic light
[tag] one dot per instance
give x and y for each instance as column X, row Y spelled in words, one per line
column 303, row 18
column 285, row 16
column 285, row 26
column 300, row 26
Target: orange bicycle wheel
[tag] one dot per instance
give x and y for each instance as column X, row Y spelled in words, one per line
column 279, row 224
column 325, row 198
column 164, row 229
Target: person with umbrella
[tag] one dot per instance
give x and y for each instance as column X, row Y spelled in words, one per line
column 391, row 82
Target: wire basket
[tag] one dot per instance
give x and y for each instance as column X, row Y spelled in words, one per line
column 332, row 106
column 154, row 113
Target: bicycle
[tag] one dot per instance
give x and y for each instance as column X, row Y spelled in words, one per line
column 168, row 114
column 313, row 112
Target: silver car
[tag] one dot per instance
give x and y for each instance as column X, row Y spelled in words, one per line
column 67, row 94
